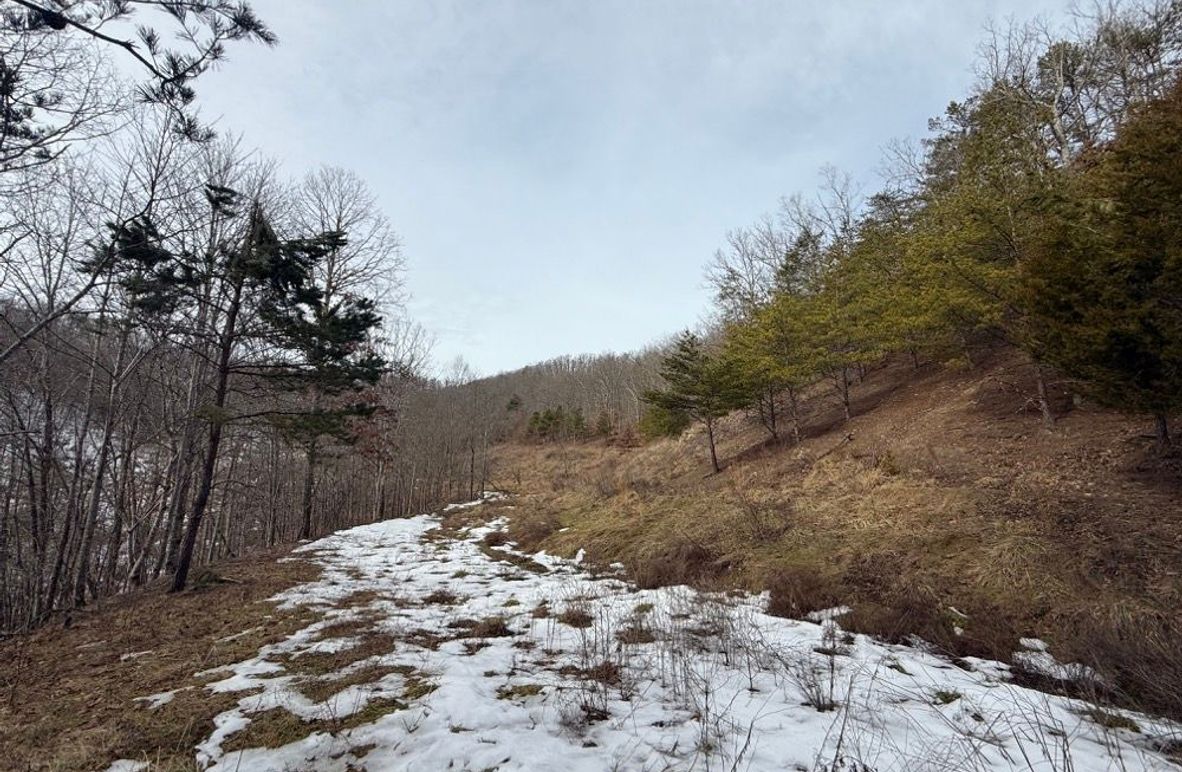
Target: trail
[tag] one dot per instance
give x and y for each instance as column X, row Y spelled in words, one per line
column 434, row 651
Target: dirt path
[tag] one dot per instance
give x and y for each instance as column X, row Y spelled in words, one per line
column 433, row 648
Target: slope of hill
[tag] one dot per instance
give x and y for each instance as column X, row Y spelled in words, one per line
column 429, row 643
column 944, row 509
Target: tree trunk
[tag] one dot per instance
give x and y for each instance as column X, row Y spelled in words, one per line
column 1044, row 404
column 771, row 414
column 794, row 409
column 843, row 390
column 1161, row 426
column 309, row 486
column 713, row 451
column 209, row 465
column 100, row 471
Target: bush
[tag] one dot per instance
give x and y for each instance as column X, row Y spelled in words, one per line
column 658, row 422
column 682, row 561
column 558, row 423
column 794, row 591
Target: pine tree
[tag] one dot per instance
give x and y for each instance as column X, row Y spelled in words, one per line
column 1106, row 285
column 701, row 386
column 772, row 359
column 332, row 361
column 265, row 295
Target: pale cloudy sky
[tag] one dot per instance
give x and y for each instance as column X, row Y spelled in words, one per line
column 561, row 171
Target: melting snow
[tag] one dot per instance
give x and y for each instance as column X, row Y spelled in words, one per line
column 594, row 674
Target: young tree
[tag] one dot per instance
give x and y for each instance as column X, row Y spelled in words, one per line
column 699, row 385
column 773, row 360
column 334, row 360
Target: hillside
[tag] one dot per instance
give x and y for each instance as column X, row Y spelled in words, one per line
column 943, row 492
column 431, row 643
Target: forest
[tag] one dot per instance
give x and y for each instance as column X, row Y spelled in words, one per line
column 202, row 357
column 205, row 359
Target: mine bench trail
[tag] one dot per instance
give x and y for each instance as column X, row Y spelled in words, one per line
column 435, row 648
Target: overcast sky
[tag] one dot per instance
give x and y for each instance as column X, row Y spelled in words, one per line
column 561, row 171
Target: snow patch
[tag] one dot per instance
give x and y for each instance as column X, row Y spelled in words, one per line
column 484, row 663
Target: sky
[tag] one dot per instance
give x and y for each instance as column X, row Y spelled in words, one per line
column 561, row 172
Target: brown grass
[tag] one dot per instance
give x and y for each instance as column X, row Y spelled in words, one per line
column 576, row 616
column 269, row 729
column 514, row 559
column 495, row 539
column 491, row 627
column 442, row 598
column 71, row 685
column 635, row 635
column 320, row 689
column 277, row 727
column 606, row 672
column 950, row 494
column 368, row 644
column 518, row 691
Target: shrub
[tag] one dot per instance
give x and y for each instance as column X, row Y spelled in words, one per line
column 795, row 591
column 657, row 422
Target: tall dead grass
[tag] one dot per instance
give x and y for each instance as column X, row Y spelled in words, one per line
column 949, row 516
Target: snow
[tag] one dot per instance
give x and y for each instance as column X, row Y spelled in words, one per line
column 154, row 701
column 828, row 614
column 125, row 765
column 665, row 679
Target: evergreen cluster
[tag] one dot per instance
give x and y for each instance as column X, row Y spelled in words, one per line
column 1044, row 212
column 557, row 423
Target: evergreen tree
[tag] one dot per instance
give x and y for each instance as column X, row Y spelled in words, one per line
column 701, row 386
column 657, row 421
column 1106, row 285
column 772, row 359
column 332, row 359
column 262, row 293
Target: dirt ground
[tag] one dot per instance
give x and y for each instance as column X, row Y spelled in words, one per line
column 67, row 695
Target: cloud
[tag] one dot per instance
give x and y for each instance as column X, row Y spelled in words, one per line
column 561, row 171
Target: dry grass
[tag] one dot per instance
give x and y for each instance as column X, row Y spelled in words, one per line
column 949, row 494
column 518, row 691
column 277, row 727
column 491, row 627
column 442, row 598
column 90, row 710
column 514, row 559
column 269, row 729
column 317, row 663
column 320, row 689
column 635, row 635
column 576, row 616
column 347, row 628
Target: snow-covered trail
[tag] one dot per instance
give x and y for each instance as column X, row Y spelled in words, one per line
column 431, row 653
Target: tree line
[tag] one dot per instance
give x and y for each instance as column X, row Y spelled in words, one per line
column 198, row 357
column 1042, row 212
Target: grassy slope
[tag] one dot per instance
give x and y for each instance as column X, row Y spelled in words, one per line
column 68, row 695
column 950, row 493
